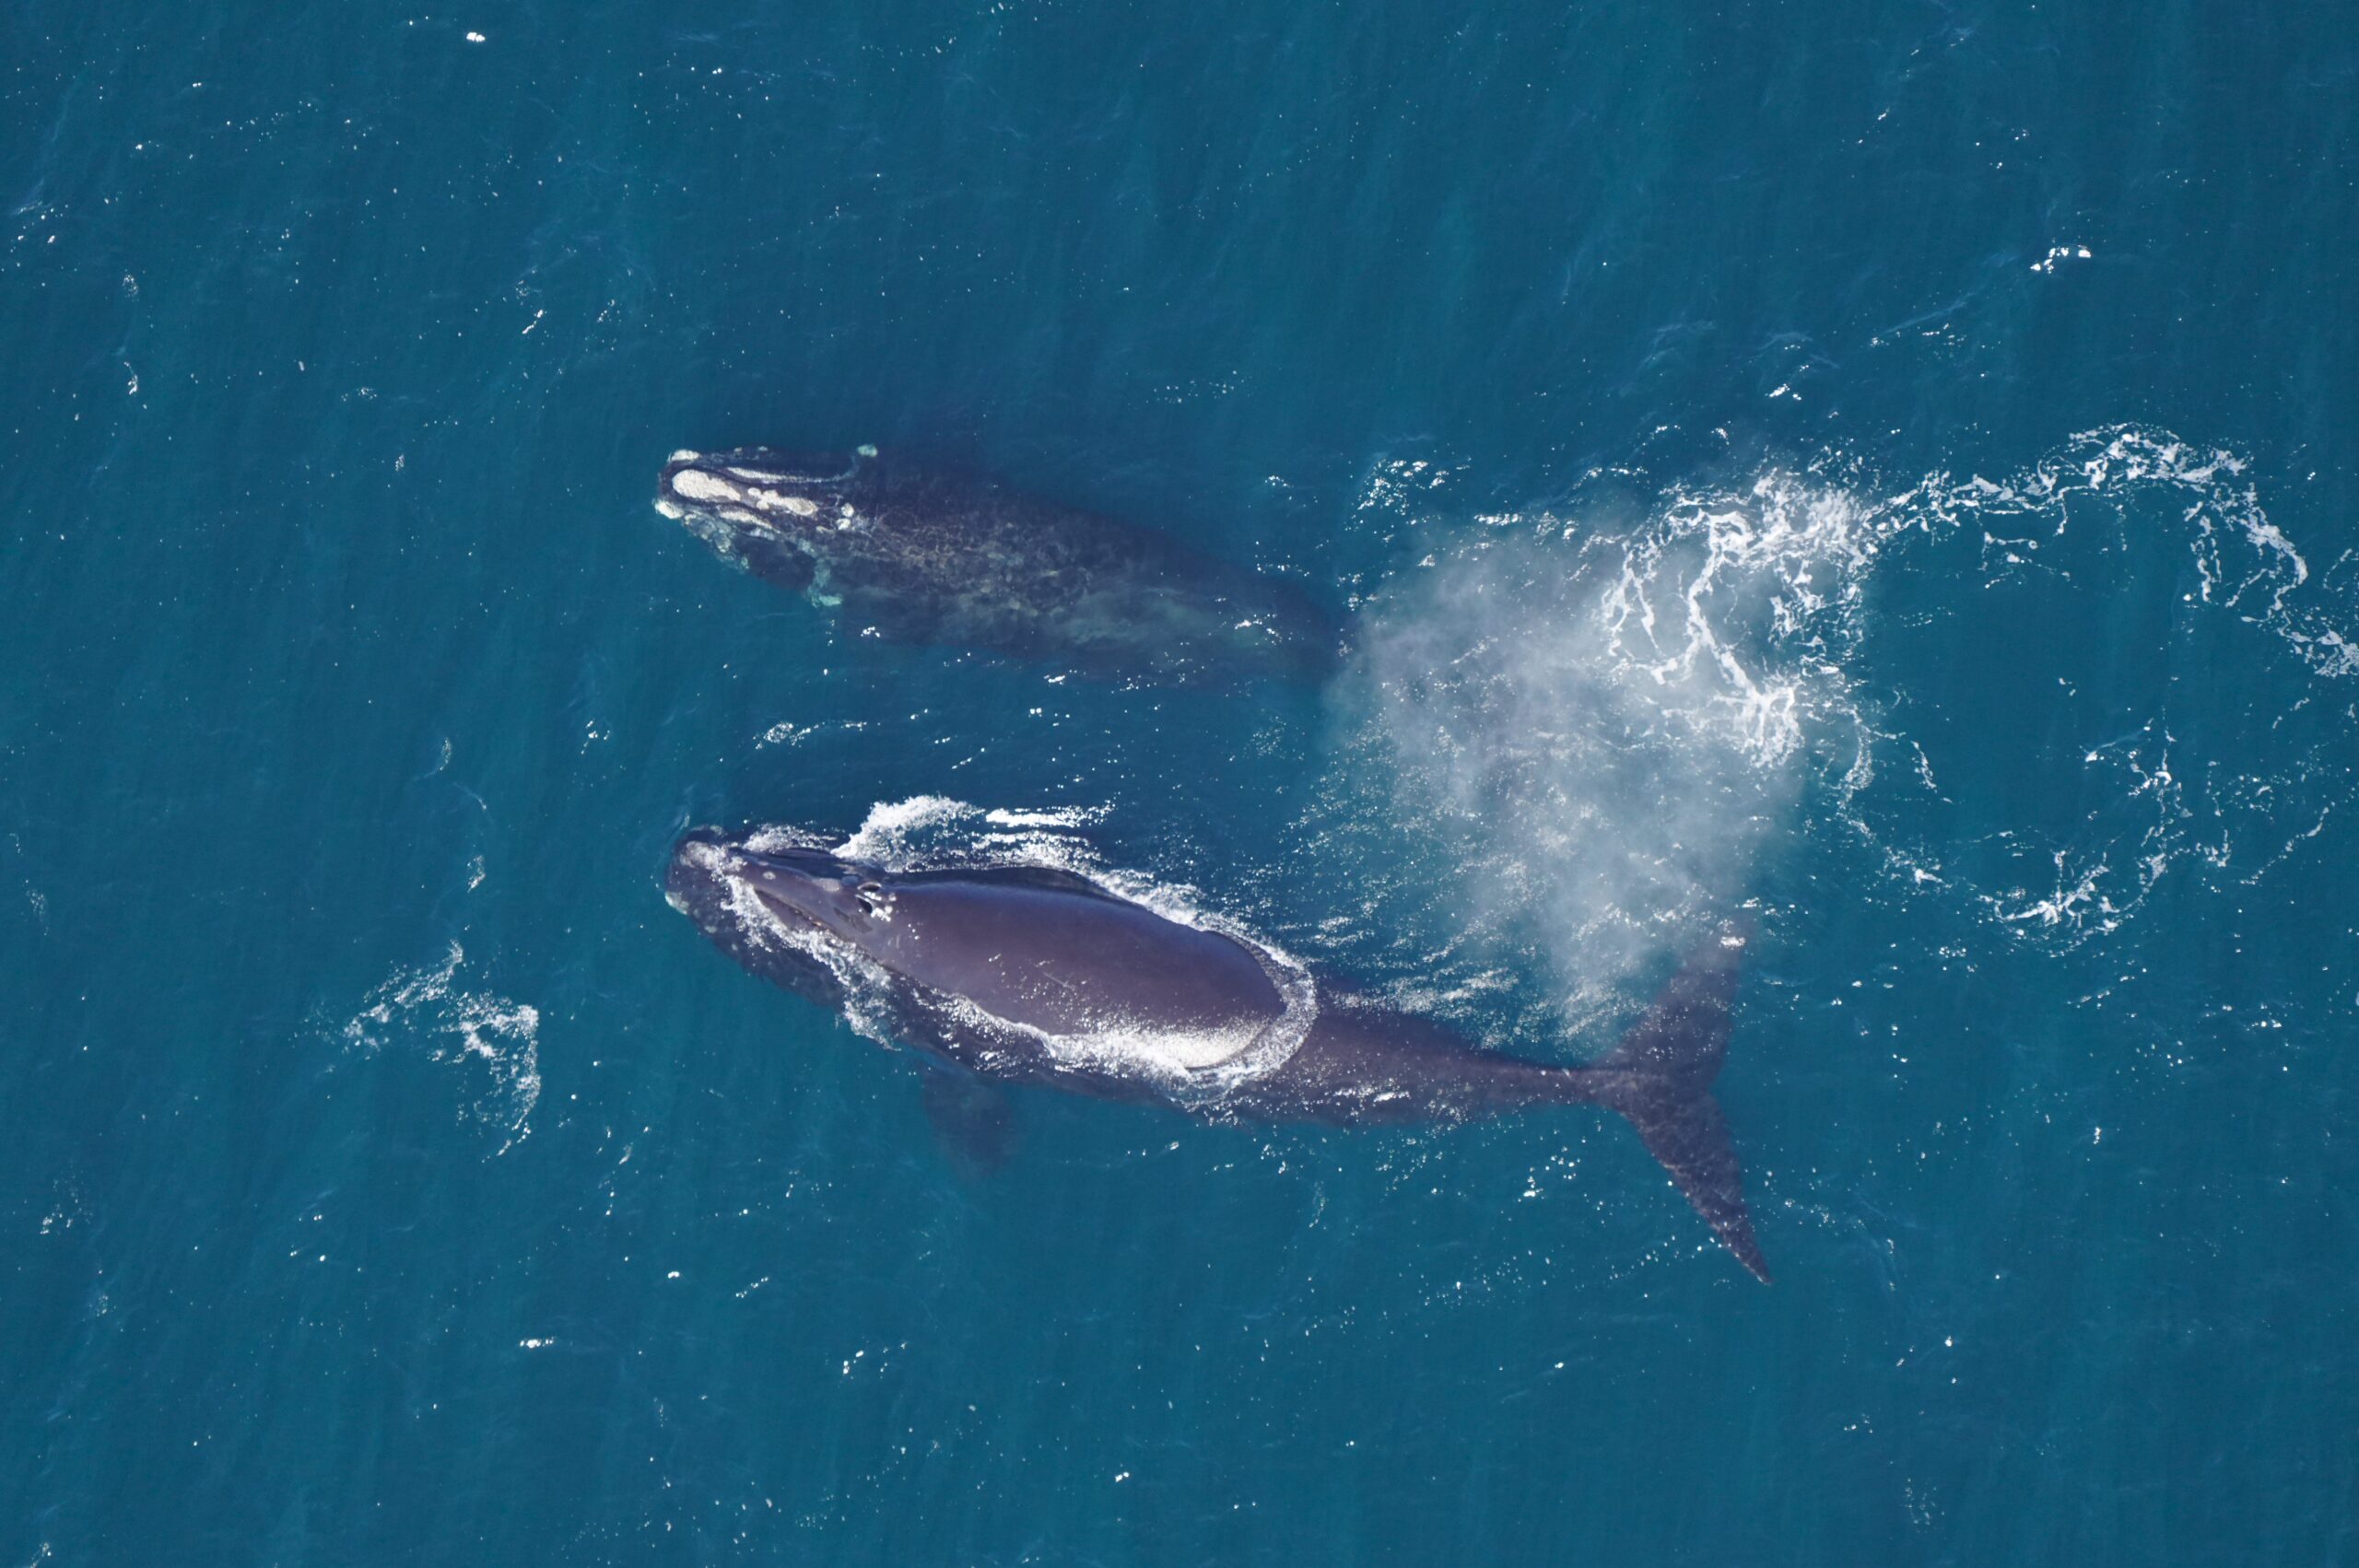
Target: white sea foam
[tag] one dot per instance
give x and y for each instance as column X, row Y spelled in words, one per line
column 1596, row 721
column 425, row 1006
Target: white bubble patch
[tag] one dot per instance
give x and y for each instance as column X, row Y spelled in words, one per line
column 496, row 1040
column 2036, row 696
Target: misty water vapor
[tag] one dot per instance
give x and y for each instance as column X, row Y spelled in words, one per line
column 1602, row 727
column 1590, row 725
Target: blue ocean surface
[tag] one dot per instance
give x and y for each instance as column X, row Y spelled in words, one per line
column 1887, row 469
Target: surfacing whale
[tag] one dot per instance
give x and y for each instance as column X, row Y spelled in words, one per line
column 1027, row 975
column 927, row 556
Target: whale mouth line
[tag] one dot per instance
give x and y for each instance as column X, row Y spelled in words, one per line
column 780, row 909
column 731, row 466
column 753, row 474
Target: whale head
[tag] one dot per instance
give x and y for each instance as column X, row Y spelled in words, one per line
column 752, row 500
column 783, row 912
column 768, row 510
column 809, row 888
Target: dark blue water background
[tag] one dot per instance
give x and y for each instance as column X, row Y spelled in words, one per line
column 1962, row 394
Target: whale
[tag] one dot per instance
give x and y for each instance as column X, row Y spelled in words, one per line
column 919, row 554
column 1023, row 975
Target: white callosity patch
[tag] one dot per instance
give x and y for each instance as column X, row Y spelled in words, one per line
column 664, row 500
column 501, row 1038
column 701, row 484
column 1599, row 723
column 742, row 495
column 934, row 832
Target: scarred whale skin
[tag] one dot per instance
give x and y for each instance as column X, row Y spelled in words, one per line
column 929, row 556
column 1022, row 975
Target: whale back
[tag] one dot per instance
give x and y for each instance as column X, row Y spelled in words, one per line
column 1050, row 952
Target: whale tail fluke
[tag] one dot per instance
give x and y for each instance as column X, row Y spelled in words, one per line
column 1660, row 1078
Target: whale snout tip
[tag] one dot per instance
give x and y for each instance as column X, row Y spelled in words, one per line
column 710, row 855
column 689, row 482
column 696, row 490
column 667, row 497
column 703, row 853
column 701, row 857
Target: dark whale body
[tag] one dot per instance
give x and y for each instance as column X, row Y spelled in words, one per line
column 1024, row 975
column 928, row 557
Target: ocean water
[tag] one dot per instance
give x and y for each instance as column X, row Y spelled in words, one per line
column 1888, row 468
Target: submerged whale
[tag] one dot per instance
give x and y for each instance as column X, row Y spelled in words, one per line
column 1025, row 975
column 928, row 557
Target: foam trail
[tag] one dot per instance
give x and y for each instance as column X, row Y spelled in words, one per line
column 2134, row 599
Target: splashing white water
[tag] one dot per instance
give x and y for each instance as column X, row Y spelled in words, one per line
column 925, row 831
column 492, row 1034
column 1597, row 730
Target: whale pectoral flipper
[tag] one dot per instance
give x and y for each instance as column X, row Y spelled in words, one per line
column 1660, row 1078
column 971, row 1119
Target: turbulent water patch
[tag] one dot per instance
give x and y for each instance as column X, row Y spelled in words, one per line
column 1594, row 722
column 494, row 1040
